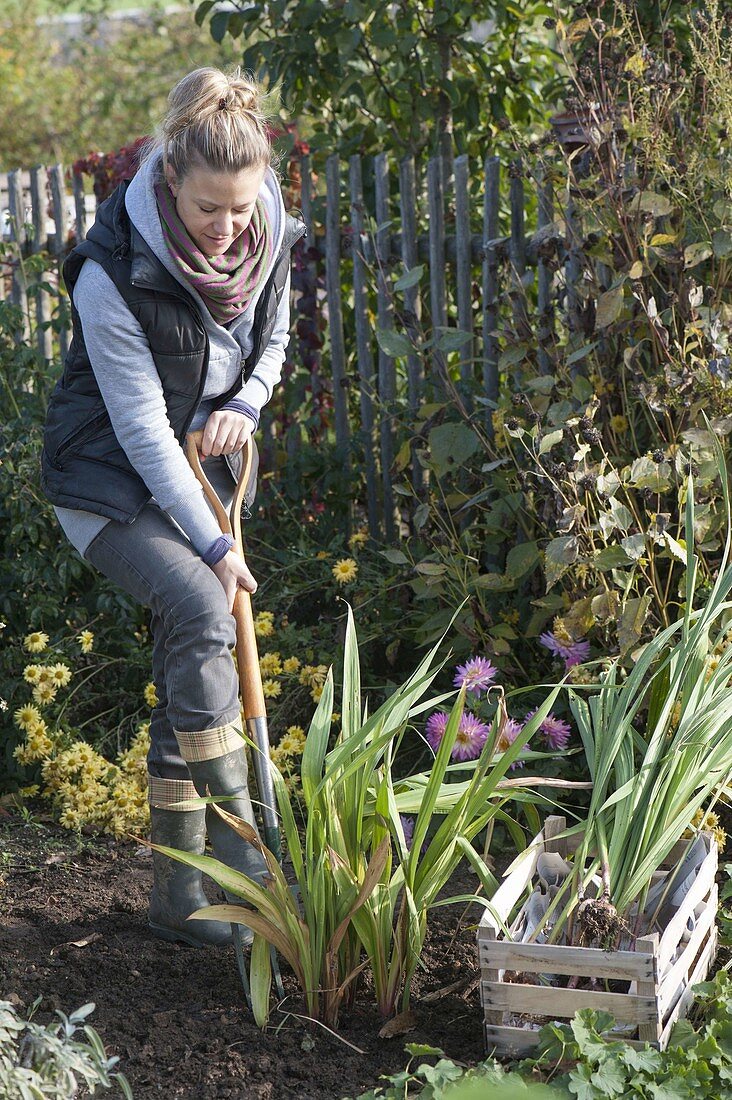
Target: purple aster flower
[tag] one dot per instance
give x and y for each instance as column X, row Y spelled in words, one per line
column 509, row 733
column 571, row 652
column 554, row 731
column 407, row 829
column 472, row 736
column 476, row 675
column 434, row 729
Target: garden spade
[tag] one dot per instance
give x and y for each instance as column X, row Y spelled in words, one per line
column 247, row 656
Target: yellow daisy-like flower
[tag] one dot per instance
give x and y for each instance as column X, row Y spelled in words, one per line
column 151, row 695
column 322, row 555
column 20, row 753
column 345, row 570
column 291, row 746
column 291, row 665
column 335, row 716
column 25, row 716
column 619, row 424
column 86, row 641
column 31, row 673
column 30, row 791
column 264, row 624
column 271, row 689
column 310, row 675
column 36, row 641
column 45, row 676
column 71, row 819
column 296, row 731
column 44, row 694
column 720, row 838
column 60, row 674
column 39, row 746
column 270, row 664
column 357, row 539
column 316, row 692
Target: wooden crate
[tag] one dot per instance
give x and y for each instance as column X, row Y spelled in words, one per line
column 660, row 989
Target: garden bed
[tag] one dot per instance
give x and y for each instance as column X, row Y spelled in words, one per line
column 646, row 990
column 73, row 930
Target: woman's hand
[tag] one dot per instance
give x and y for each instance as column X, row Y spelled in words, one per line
column 225, row 433
column 233, row 573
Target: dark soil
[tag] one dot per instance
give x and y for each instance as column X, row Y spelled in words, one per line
column 74, row 930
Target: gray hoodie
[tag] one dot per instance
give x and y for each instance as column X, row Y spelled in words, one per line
column 130, row 385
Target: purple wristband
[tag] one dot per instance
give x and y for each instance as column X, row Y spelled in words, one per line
column 218, row 549
column 238, row 405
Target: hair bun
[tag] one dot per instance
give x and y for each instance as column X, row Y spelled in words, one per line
column 243, row 95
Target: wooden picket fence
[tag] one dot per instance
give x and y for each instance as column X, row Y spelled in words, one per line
column 476, row 279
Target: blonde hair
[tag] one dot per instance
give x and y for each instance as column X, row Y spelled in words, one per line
column 216, row 119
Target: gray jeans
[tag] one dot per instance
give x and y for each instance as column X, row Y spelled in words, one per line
column 192, row 629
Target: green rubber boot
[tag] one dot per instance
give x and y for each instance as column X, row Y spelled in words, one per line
column 217, row 762
column 178, row 890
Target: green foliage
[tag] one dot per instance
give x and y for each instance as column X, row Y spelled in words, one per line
column 695, row 1064
column 367, row 77
column 39, row 1061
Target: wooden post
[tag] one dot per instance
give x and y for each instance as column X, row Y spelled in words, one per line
column 464, row 281
column 650, row 1032
column 573, row 273
column 58, row 202
column 437, row 270
column 412, row 302
column 363, row 344
column 79, row 206
column 16, row 208
column 545, row 327
column 335, row 311
column 518, row 252
column 490, row 286
column 44, row 339
column 387, row 381
column 306, row 202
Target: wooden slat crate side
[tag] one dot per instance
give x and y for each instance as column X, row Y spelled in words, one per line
column 521, row 1041
column 583, row 962
column 699, row 891
column 701, row 971
column 680, row 970
column 551, row 1002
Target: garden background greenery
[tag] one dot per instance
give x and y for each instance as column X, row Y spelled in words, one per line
column 561, row 542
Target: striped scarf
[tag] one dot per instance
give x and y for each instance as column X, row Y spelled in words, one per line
column 226, row 283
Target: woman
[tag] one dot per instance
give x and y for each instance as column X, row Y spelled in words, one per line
column 180, row 306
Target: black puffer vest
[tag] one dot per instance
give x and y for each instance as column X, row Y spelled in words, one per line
column 82, row 463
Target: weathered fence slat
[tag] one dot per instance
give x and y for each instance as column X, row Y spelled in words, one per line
column 517, row 252
column 384, row 313
column 79, row 205
column 438, row 293
column 464, row 280
column 412, row 303
column 38, row 214
column 492, row 173
column 335, row 310
column 16, row 207
column 363, row 343
column 58, row 203
column 545, row 327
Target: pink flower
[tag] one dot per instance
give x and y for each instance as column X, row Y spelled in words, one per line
column 571, row 652
column 434, row 729
column 555, row 731
column 476, row 675
column 509, row 733
column 472, row 736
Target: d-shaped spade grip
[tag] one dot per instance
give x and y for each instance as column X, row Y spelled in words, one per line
column 247, row 655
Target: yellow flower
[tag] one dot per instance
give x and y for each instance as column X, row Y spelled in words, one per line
column 20, row 753
column 335, row 716
column 619, row 424
column 511, row 616
column 39, row 746
column 271, row 689
column 25, row 716
column 151, row 695
column 296, row 731
column 30, row 791
column 316, row 692
column 71, row 819
column 60, row 674
column 264, row 624
column 43, row 694
column 31, row 673
column 45, row 675
column 35, row 642
column 291, row 665
column 357, row 539
column 86, row 641
column 345, row 570
column 322, row 555
column 310, row 675
column 270, row 664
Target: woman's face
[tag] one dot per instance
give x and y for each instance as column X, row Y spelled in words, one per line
column 215, row 207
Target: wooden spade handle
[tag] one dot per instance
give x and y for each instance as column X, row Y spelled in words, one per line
column 247, row 655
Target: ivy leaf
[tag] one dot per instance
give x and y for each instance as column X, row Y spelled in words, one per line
column 609, row 306
column 558, row 556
